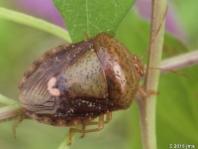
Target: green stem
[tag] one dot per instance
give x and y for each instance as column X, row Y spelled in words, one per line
column 9, row 112
column 147, row 105
column 7, row 101
column 35, row 23
column 64, row 145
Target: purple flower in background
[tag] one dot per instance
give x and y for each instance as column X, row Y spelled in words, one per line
column 42, row 9
column 172, row 22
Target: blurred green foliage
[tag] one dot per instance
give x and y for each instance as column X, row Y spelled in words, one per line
column 187, row 12
column 177, row 105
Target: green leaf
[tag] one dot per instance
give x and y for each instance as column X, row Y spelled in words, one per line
column 90, row 17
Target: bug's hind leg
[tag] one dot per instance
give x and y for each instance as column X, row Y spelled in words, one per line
column 101, row 121
column 108, row 117
column 105, row 119
column 83, row 130
column 18, row 119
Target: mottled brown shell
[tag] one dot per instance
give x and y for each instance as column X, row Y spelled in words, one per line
column 80, row 81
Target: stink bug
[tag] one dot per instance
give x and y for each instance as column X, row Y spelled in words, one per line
column 73, row 85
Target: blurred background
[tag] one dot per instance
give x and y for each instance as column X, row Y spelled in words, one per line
column 177, row 105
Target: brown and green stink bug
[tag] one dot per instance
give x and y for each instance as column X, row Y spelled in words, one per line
column 73, row 85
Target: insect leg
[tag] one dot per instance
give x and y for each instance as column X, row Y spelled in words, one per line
column 106, row 120
column 142, row 93
column 17, row 121
column 100, row 126
column 70, row 136
column 83, row 130
column 108, row 117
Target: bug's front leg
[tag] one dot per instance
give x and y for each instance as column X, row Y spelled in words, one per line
column 142, row 93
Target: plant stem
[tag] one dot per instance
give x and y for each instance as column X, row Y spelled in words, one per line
column 180, row 61
column 64, row 145
column 9, row 112
column 147, row 105
column 35, row 23
column 6, row 100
